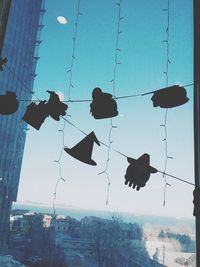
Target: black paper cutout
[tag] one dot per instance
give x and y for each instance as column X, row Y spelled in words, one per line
column 8, row 103
column 2, row 62
column 103, row 105
column 83, row 150
column 196, row 201
column 170, row 97
column 138, row 172
column 55, row 107
column 36, row 114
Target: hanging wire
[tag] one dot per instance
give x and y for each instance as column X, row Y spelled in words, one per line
column 186, row 85
column 166, row 73
column 122, row 154
column 118, row 97
column 21, row 82
column 70, row 71
column 177, row 178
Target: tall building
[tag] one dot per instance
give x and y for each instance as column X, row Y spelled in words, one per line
column 20, row 47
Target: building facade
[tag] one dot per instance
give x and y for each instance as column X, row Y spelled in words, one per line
column 20, row 47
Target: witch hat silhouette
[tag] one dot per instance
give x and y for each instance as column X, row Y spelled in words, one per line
column 138, row 172
column 83, row 150
column 8, row 103
column 55, row 107
column 170, row 97
column 35, row 115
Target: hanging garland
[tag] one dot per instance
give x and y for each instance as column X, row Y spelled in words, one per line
column 57, row 109
column 122, row 154
column 103, row 105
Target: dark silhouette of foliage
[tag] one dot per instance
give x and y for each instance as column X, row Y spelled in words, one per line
column 112, row 238
column 188, row 245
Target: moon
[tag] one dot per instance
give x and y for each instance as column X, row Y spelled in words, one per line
column 62, row 20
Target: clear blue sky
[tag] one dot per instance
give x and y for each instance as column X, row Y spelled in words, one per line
column 143, row 60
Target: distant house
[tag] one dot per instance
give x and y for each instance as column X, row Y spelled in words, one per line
column 61, row 225
column 15, row 223
column 47, row 221
column 26, row 222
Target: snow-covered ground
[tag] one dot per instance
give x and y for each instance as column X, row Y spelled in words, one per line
column 166, row 252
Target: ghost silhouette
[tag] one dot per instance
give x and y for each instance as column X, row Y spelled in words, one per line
column 138, row 172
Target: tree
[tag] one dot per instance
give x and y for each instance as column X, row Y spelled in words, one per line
column 110, row 240
column 161, row 234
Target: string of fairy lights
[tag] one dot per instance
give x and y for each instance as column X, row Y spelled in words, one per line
column 113, row 81
column 58, row 161
column 70, row 86
column 166, row 73
column 73, row 56
column 107, row 163
column 117, row 48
